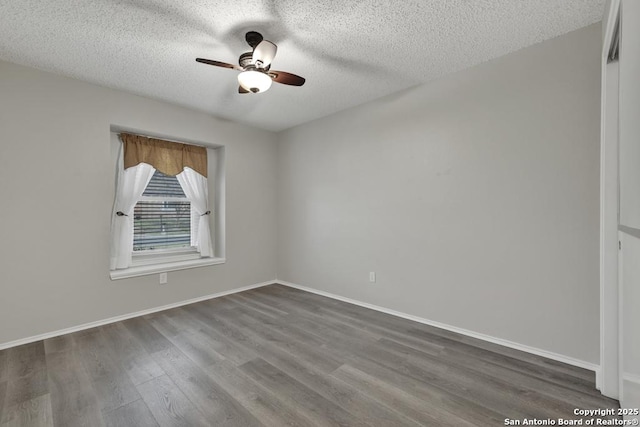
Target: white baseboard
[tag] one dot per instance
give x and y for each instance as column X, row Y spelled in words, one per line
column 127, row 316
column 533, row 350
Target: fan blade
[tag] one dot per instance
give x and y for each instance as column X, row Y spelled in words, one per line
column 242, row 90
column 264, row 53
column 253, row 38
column 218, row 64
column 287, row 78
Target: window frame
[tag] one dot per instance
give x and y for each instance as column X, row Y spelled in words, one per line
column 174, row 259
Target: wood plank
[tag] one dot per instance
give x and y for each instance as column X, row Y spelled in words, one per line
column 523, row 366
column 35, row 412
column 458, row 407
column 262, row 402
column 343, row 394
column 266, row 297
column 235, row 325
column 73, row 400
column 287, row 327
column 264, row 309
column 302, row 398
column 541, row 384
column 191, row 341
column 543, row 362
column 315, row 317
column 147, row 335
column 349, row 328
column 305, row 348
column 551, row 369
column 169, row 406
column 61, row 343
column 424, row 411
column 24, row 360
column 130, row 354
column 243, row 343
column 132, row 414
column 110, row 382
column 163, row 324
column 3, row 393
column 227, row 347
column 4, row 365
column 25, row 380
column 493, row 393
column 24, row 389
column 212, row 401
column 25, row 384
column 250, row 299
column 340, row 334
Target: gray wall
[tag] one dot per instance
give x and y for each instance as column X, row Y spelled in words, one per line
column 474, row 198
column 56, row 195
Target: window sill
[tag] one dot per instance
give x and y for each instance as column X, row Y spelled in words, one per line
column 144, row 270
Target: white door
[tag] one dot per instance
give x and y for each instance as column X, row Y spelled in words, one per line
column 630, row 321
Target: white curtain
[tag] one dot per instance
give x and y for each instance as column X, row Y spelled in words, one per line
column 129, row 187
column 195, row 187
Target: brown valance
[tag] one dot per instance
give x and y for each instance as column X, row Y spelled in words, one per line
column 168, row 157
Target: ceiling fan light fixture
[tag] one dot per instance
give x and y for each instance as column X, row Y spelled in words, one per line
column 255, row 66
column 254, row 81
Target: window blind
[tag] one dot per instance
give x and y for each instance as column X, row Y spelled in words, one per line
column 162, row 218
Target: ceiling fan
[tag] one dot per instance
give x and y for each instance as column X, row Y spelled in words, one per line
column 256, row 75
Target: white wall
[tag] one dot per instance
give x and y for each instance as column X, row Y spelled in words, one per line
column 474, row 198
column 56, row 195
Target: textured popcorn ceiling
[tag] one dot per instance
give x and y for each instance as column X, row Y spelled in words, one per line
column 349, row 51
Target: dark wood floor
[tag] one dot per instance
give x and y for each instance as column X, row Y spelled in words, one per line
column 276, row 356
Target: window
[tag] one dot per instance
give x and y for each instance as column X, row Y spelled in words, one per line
column 163, row 216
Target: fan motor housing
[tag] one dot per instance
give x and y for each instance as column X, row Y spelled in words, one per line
column 245, row 59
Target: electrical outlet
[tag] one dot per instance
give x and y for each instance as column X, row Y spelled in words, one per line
column 163, row 278
column 372, row 276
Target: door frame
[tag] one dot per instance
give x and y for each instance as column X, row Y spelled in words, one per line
column 608, row 377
